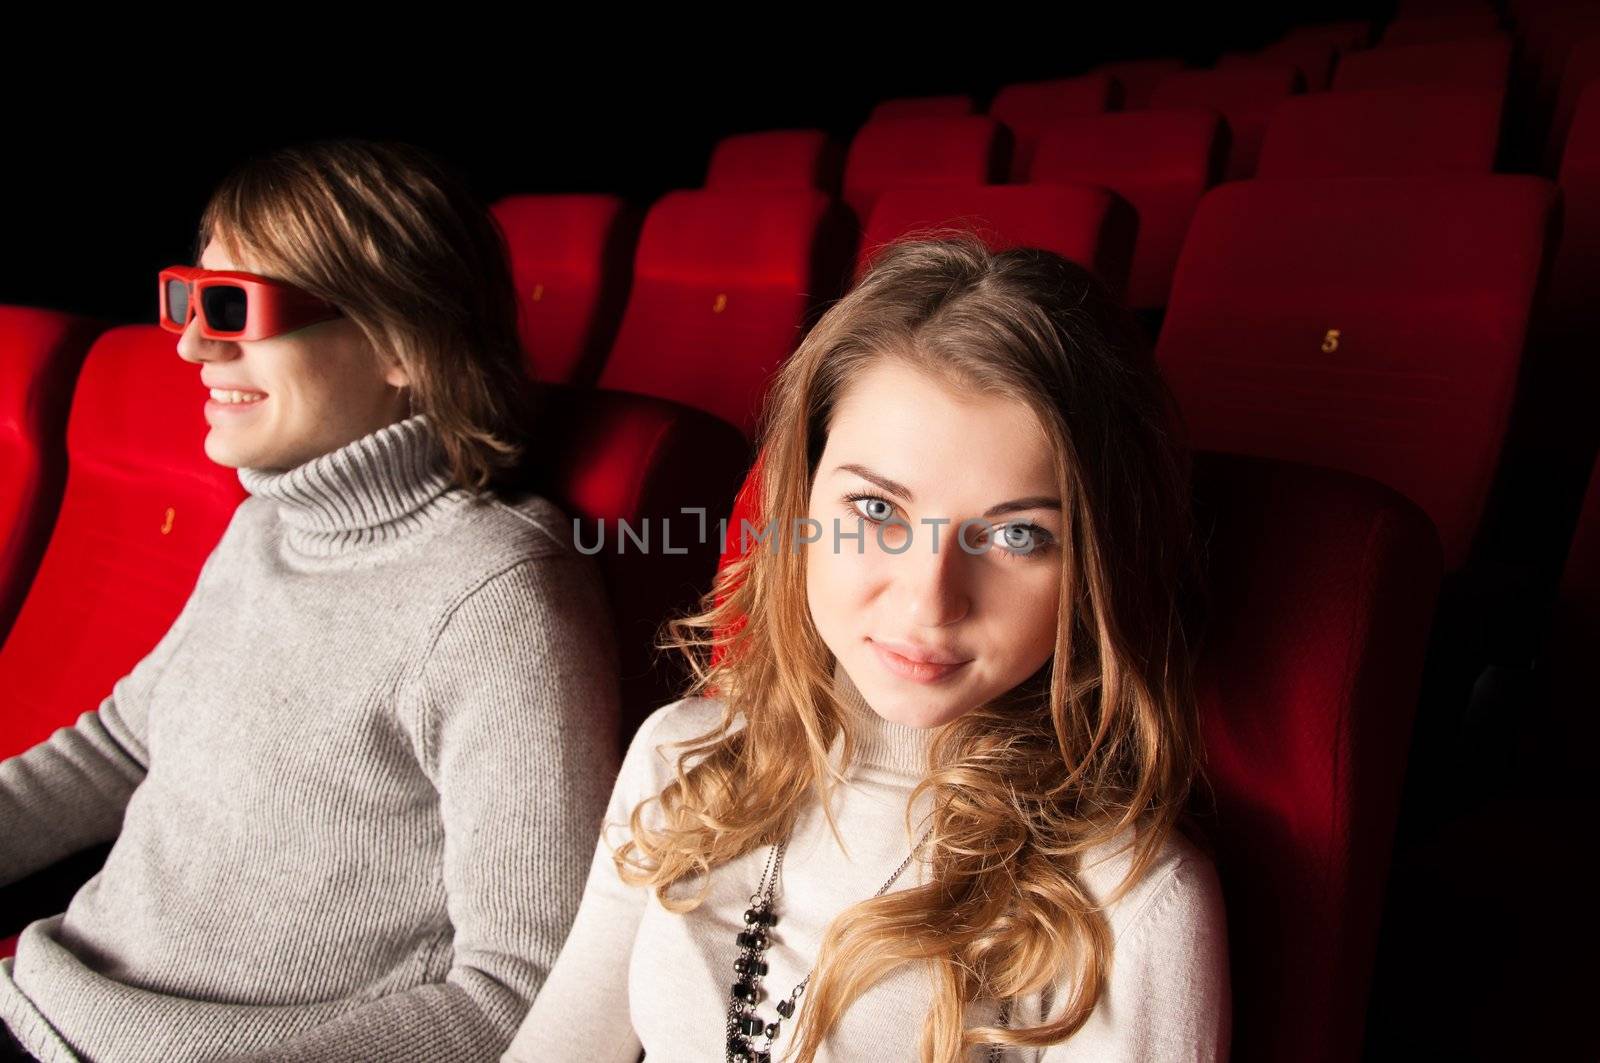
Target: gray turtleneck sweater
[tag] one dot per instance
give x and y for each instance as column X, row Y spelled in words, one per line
column 354, row 788
column 634, row 976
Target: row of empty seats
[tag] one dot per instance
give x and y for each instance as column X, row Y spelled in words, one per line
column 573, row 255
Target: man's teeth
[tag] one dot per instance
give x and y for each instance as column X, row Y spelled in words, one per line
column 221, row 395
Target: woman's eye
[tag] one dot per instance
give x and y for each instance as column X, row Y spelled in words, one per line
column 1017, row 537
column 1021, row 539
column 874, row 509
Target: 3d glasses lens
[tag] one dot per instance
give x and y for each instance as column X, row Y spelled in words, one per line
column 225, row 307
column 178, row 301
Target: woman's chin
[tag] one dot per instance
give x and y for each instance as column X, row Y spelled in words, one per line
column 910, row 708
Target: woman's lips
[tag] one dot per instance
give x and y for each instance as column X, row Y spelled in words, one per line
column 914, row 670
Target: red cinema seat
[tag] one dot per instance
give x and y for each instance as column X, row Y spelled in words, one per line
column 1575, row 277
column 1479, row 64
column 1382, row 134
column 629, row 458
column 1162, row 162
column 1138, row 77
column 569, row 261
column 1582, row 69
column 1345, row 36
column 918, row 152
column 1322, row 587
column 1028, row 109
column 1547, row 38
column 1091, row 226
column 1427, row 8
column 1314, row 58
column 953, row 106
column 1523, row 12
column 722, row 285
column 40, row 354
column 142, row 509
column 1561, row 431
column 1373, row 325
column 1576, row 633
column 777, row 160
column 1431, row 29
column 1245, row 95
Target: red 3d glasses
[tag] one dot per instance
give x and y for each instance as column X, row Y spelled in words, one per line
column 237, row 306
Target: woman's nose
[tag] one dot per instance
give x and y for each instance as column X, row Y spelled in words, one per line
column 933, row 580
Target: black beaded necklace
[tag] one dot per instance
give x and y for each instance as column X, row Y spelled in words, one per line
column 744, row 1026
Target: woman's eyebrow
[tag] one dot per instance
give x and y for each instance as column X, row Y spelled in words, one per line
column 894, row 488
column 882, row 481
column 1018, row 504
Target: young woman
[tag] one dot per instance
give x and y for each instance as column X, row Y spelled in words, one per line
column 950, row 717
column 354, row 788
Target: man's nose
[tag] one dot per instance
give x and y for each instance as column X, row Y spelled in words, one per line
column 193, row 347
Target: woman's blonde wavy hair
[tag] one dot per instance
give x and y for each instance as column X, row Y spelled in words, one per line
column 397, row 240
column 1103, row 738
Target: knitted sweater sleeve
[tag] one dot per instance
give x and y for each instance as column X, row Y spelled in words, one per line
column 1168, row 996
column 516, row 711
column 70, row 791
column 583, row 1011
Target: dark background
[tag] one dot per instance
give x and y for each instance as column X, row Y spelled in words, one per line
column 109, row 156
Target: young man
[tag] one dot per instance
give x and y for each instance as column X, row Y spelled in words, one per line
column 355, row 787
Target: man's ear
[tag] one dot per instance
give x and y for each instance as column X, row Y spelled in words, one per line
column 395, row 375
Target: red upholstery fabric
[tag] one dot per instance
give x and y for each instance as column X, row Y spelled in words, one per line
column 1382, row 134
column 923, row 107
column 1314, row 58
column 721, row 287
column 1090, row 226
column 1581, row 70
column 1576, row 278
column 1137, row 78
column 1546, row 46
column 1367, row 324
column 1160, row 161
column 1432, row 29
column 40, row 353
column 1580, row 581
column 1028, row 109
column 789, row 159
column 1575, row 723
column 1478, row 64
column 1345, row 36
column 619, row 457
column 569, row 259
column 1321, row 586
column 1568, row 430
column 143, row 507
column 917, row 152
column 1425, row 8
column 746, row 507
column 1245, row 95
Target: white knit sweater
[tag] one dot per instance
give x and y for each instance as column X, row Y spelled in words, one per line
column 354, row 789
column 633, row 976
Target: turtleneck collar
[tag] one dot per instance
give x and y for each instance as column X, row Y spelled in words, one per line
column 376, row 489
column 896, row 748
